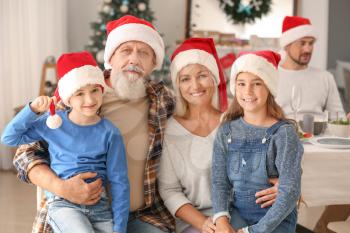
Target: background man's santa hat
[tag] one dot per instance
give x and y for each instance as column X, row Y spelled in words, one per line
column 262, row 63
column 295, row 28
column 199, row 51
column 74, row 71
column 130, row 28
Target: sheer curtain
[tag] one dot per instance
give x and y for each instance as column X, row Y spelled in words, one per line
column 29, row 32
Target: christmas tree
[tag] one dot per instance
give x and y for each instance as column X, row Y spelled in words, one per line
column 114, row 9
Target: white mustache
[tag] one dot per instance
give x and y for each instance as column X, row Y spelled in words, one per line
column 135, row 69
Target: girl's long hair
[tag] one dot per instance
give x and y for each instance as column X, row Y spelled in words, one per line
column 273, row 109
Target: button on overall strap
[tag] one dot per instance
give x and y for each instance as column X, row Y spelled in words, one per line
column 270, row 131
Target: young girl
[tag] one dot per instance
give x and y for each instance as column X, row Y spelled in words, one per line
column 255, row 143
column 79, row 141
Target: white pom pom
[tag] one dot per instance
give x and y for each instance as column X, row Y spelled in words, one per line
column 54, row 122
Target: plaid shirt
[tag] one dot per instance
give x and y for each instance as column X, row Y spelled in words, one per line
column 161, row 106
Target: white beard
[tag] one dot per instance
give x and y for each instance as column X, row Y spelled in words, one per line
column 128, row 86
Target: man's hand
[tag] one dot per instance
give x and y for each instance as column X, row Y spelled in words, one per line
column 77, row 191
column 208, row 226
column 268, row 196
column 223, row 225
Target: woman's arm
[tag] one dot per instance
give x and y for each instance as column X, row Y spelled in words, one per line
column 195, row 218
column 171, row 190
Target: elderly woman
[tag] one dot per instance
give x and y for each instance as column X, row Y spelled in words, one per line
column 185, row 167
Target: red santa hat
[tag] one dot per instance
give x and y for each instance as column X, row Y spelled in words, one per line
column 295, row 28
column 129, row 28
column 74, row 71
column 262, row 63
column 199, row 51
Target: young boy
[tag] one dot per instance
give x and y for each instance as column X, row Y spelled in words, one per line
column 79, row 141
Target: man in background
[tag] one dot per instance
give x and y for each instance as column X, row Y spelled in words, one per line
column 318, row 89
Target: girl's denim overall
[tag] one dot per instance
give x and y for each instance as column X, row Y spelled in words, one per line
column 247, row 170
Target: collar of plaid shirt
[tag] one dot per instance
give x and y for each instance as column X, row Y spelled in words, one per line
column 162, row 105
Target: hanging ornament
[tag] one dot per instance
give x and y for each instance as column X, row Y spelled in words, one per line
column 106, row 9
column 98, row 33
column 124, row 8
column 99, row 20
column 103, row 27
column 99, row 56
column 112, row 12
column 245, row 11
column 90, row 42
column 107, row 1
column 141, row 6
column 245, row 8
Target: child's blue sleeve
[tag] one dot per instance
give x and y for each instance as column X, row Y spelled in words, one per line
column 221, row 186
column 289, row 151
column 117, row 173
column 23, row 128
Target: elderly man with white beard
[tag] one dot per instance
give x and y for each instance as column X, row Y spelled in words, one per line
column 140, row 108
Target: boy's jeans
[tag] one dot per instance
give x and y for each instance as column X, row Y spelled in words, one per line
column 66, row 217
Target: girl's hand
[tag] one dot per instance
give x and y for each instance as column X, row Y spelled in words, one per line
column 240, row 231
column 223, row 226
column 208, row 226
column 41, row 104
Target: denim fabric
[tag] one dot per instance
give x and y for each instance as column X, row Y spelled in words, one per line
column 66, row 217
column 138, row 226
column 287, row 225
column 242, row 153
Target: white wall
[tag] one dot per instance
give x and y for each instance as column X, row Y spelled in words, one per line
column 317, row 11
column 80, row 14
column 170, row 19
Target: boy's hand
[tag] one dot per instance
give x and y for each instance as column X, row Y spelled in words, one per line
column 41, row 104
